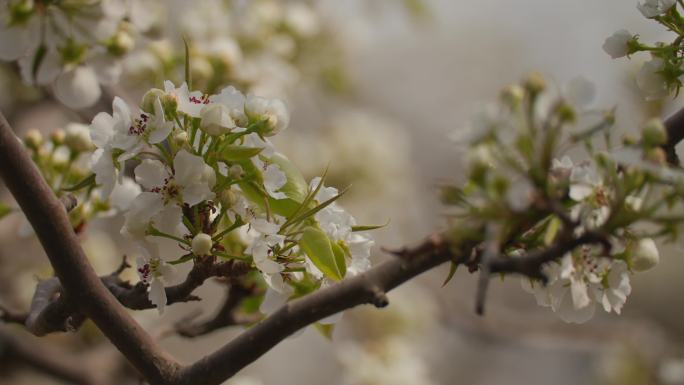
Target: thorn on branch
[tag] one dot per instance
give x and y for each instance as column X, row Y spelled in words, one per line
column 378, row 297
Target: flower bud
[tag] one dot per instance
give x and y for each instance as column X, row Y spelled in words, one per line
column 272, row 113
column 150, row 98
column 236, row 172
column 656, row 155
column 77, row 137
column 228, row 198
column 629, row 140
column 512, row 95
column 644, row 255
column 58, row 136
column 216, row 119
column 121, row 43
column 535, row 83
column 180, row 138
column 654, row 133
column 33, row 139
column 201, row 244
column 201, row 69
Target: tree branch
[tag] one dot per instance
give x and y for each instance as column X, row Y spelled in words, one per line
column 60, row 365
column 366, row 288
column 675, row 134
column 81, row 285
column 227, row 315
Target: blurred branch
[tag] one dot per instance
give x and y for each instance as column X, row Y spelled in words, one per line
column 58, row 364
column 675, row 134
column 227, row 315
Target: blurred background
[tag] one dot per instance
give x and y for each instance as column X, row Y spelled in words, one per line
column 375, row 89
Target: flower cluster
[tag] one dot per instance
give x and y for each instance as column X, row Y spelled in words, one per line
column 661, row 74
column 260, row 46
column 214, row 186
column 75, row 46
column 525, row 195
column 64, row 160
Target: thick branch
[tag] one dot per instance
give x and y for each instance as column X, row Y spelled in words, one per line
column 675, row 134
column 66, row 367
column 366, row 288
column 49, row 220
column 227, row 315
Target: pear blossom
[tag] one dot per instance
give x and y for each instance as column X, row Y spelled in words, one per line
column 190, row 182
column 155, row 273
column 653, row 8
column 190, row 103
column 337, row 224
column 580, row 280
column 644, row 255
column 273, row 112
column 650, row 80
column 617, row 45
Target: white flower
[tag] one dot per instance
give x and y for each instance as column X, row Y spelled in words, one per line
column 190, row 103
column 110, row 133
column 155, row 272
column 124, row 193
column 216, row 119
column 653, row 8
column 234, row 101
column 274, row 179
column 273, row 112
column 190, row 183
column 644, row 255
column 580, row 92
column 77, row 137
column 301, row 19
column 650, row 81
column 77, row 87
column 578, row 281
column 617, row 44
column 337, row 224
column 17, row 39
column 613, row 294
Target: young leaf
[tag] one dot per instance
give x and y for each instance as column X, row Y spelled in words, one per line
column 317, row 247
column 188, row 79
column 4, row 210
column 86, row 182
column 182, row 259
column 369, row 227
column 452, row 271
column 232, row 152
column 340, row 254
column 326, row 330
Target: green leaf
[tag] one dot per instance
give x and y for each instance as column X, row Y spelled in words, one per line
column 314, row 210
column 369, row 227
column 188, row 79
column 326, row 330
column 37, row 60
column 295, row 189
column 452, row 271
column 318, row 248
column 551, row 231
column 4, row 210
column 86, row 182
column 232, row 152
column 340, row 254
column 182, row 259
